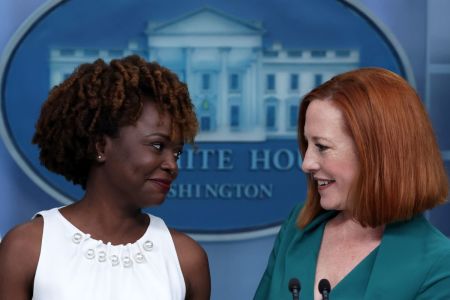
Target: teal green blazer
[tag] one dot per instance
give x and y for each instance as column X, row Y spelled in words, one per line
column 411, row 262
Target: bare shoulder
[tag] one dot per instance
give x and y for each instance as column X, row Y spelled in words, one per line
column 22, row 239
column 19, row 255
column 186, row 246
column 194, row 265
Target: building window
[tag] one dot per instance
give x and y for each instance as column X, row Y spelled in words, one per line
column 91, row 52
column 294, row 82
column 342, row 53
column 270, row 53
column 271, row 117
column 270, row 82
column 67, row 52
column 205, row 123
column 293, row 111
column 206, row 81
column 295, row 53
column 115, row 53
column 234, row 82
column 318, row 53
column 234, row 116
column 318, row 78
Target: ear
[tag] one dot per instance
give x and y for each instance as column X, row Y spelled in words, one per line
column 100, row 145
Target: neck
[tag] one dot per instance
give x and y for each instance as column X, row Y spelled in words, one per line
column 105, row 219
column 103, row 199
column 348, row 227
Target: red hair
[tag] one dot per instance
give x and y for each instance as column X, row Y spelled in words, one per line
column 401, row 169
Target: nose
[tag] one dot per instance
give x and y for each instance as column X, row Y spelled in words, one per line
column 310, row 162
column 169, row 164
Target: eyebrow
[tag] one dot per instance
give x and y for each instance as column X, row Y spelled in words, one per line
column 318, row 138
column 163, row 135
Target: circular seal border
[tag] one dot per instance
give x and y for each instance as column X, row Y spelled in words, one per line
column 55, row 193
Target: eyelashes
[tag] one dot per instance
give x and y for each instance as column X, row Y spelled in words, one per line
column 159, row 147
column 321, row 147
column 178, row 154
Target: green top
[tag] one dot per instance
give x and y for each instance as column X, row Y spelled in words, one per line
column 411, row 262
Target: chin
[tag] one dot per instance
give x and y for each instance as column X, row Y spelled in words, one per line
column 329, row 205
column 153, row 202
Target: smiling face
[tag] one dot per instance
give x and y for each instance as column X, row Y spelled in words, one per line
column 141, row 163
column 330, row 157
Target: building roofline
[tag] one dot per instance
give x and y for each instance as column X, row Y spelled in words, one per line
column 252, row 25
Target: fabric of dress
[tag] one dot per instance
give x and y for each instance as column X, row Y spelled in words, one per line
column 74, row 266
column 411, row 262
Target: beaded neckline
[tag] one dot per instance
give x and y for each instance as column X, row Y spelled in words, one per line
column 122, row 254
column 83, row 234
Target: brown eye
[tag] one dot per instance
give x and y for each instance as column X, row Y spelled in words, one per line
column 321, row 147
column 157, row 146
column 178, row 154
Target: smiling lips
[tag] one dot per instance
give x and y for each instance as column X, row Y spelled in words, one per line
column 162, row 183
column 323, row 184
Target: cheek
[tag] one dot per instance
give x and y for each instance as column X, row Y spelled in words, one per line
column 145, row 160
column 131, row 161
column 346, row 169
column 347, row 163
column 350, row 171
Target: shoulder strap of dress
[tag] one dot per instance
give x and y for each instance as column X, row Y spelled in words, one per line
column 46, row 213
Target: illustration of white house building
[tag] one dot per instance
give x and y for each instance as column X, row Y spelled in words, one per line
column 242, row 91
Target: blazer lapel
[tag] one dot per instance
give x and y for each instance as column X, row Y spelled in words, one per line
column 394, row 274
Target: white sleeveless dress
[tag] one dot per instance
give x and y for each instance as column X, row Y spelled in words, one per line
column 73, row 266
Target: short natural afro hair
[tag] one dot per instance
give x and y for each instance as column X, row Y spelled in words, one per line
column 99, row 98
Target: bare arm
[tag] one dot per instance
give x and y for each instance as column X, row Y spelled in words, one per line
column 19, row 255
column 194, row 265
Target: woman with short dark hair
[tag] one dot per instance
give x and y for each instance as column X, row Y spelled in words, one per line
column 117, row 130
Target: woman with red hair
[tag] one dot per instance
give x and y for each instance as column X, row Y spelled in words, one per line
column 373, row 168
